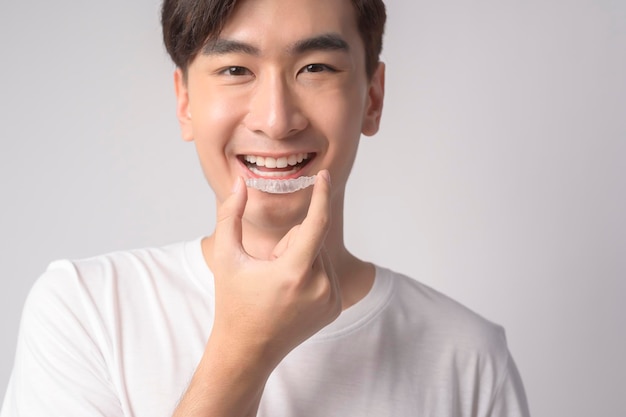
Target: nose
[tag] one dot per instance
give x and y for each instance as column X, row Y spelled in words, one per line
column 274, row 108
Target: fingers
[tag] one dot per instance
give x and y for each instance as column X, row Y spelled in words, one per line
column 313, row 229
column 306, row 241
column 228, row 232
column 284, row 243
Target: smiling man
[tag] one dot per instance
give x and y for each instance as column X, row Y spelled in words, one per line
column 270, row 314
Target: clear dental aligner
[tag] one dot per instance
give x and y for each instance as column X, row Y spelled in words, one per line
column 275, row 186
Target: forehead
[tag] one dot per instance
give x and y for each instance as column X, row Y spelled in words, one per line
column 272, row 23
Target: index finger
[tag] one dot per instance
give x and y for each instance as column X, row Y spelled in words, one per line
column 311, row 234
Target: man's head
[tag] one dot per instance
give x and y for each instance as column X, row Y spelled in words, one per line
column 276, row 90
column 189, row 24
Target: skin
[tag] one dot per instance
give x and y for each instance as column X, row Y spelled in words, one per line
column 282, row 271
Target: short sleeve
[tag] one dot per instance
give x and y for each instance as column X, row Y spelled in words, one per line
column 59, row 369
column 509, row 399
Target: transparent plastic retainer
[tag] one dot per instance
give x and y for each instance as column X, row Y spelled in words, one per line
column 280, row 186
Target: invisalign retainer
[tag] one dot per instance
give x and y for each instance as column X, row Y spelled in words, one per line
column 280, row 186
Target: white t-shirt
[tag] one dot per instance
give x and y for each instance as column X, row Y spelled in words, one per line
column 121, row 335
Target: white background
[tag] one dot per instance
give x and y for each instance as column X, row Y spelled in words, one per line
column 497, row 177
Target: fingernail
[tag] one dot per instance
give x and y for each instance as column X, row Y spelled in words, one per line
column 326, row 175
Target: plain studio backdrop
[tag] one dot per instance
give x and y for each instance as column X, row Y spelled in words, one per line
column 497, row 176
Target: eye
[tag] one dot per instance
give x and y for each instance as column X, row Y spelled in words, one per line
column 236, row 71
column 317, row 68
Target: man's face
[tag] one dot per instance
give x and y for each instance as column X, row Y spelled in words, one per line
column 282, row 93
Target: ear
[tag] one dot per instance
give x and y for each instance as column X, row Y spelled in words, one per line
column 183, row 112
column 375, row 98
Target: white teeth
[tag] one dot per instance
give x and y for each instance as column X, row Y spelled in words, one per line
column 281, row 163
column 270, row 162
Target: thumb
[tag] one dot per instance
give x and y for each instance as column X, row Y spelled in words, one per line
column 228, row 226
column 312, row 232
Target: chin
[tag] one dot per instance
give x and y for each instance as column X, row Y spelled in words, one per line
column 277, row 211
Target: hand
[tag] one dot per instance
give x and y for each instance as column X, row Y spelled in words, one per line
column 265, row 308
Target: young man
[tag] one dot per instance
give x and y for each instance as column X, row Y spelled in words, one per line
column 270, row 315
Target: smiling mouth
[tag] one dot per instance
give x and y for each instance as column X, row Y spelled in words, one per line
column 276, row 168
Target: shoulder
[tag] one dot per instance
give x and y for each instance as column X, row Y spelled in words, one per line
column 79, row 321
column 112, row 269
column 454, row 343
column 101, row 283
column 444, row 322
column 137, row 261
column 452, row 347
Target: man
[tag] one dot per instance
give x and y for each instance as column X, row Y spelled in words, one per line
column 270, row 315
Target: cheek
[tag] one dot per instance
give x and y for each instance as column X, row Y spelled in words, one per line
column 211, row 117
column 350, row 109
column 214, row 123
column 343, row 133
column 343, row 120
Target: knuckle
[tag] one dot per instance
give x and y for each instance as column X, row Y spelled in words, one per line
column 324, row 219
column 224, row 213
column 320, row 221
column 323, row 291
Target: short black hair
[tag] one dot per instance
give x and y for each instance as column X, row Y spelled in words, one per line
column 189, row 24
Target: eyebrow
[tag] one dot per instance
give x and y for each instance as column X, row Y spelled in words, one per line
column 325, row 42
column 228, row 46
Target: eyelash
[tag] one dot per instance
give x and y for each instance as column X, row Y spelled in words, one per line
column 320, row 67
column 236, row 71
